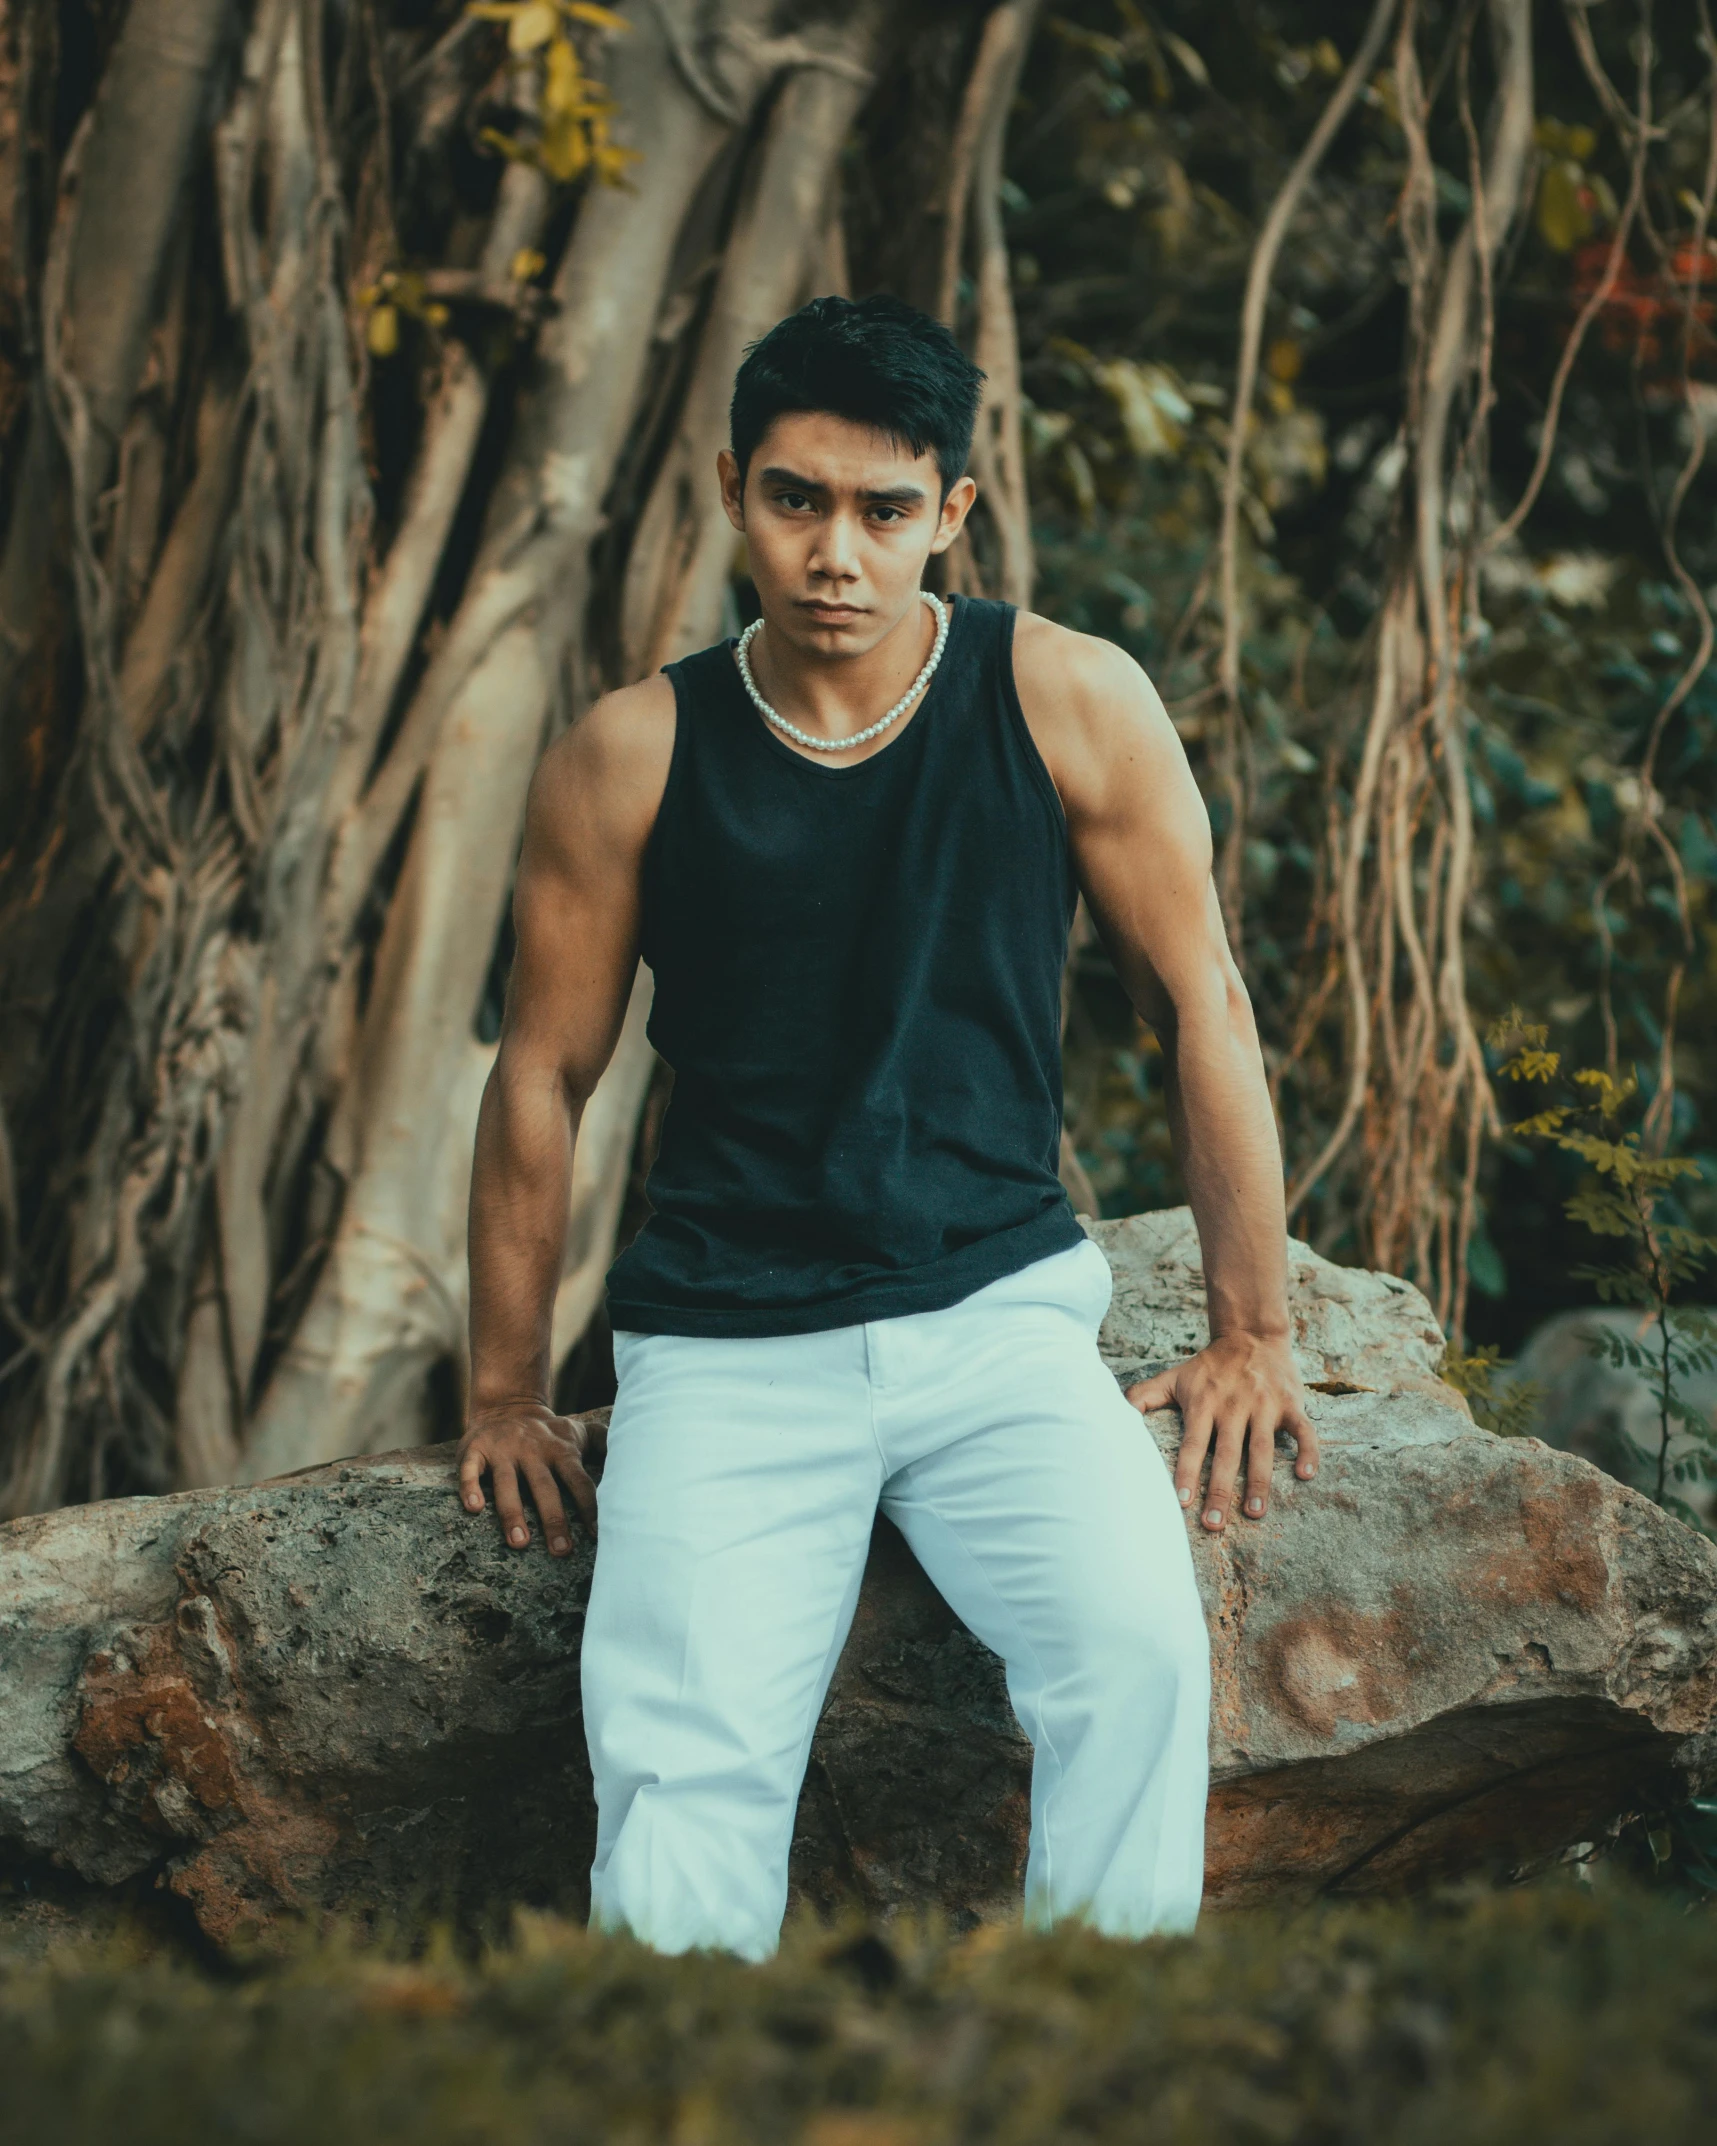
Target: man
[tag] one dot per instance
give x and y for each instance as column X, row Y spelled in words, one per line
column 849, row 847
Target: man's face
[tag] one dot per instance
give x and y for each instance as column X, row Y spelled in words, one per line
column 838, row 523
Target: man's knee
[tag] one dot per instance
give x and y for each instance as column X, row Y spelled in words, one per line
column 1130, row 1647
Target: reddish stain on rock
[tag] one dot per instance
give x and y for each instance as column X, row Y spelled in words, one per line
column 1336, row 1664
column 148, row 1707
column 170, row 1755
column 1265, row 1842
column 241, row 1881
column 1557, row 1560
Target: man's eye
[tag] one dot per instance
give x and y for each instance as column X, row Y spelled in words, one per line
column 893, row 514
column 792, row 499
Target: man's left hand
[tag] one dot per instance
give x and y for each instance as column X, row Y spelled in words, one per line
column 1239, row 1392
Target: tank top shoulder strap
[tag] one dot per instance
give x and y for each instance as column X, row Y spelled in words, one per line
column 986, row 639
column 707, row 675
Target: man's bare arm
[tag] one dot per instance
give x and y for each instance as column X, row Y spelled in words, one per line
column 1142, row 849
column 592, row 804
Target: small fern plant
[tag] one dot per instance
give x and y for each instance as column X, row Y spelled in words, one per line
column 1623, row 1202
column 1506, row 1406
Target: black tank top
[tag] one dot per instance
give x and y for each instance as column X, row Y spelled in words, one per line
column 858, row 978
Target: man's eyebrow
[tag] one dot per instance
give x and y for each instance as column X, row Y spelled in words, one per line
column 897, row 495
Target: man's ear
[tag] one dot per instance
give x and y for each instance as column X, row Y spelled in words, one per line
column 732, row 486
column 955, row 508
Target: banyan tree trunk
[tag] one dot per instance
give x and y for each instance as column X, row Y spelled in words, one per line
column 355, row 438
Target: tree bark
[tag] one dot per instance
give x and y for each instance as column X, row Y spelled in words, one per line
column 262, row 927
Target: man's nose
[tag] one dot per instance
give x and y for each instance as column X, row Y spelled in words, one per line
column 836, row 553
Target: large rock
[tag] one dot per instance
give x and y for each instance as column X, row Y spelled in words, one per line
column 1450, row 1652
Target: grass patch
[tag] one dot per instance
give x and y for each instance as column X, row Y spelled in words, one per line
column 1569, row 2013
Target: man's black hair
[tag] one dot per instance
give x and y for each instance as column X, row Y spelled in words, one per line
column 876, row 361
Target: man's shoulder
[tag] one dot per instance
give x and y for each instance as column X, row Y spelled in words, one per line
column 608, row 769
column 1086, row 702
column 1051, row 651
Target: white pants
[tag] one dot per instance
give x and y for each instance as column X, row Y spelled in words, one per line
column 735, row 1511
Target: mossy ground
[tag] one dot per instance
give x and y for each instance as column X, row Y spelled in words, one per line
column 1561, row 2014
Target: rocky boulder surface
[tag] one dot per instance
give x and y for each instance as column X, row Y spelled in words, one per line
column 337, row 1691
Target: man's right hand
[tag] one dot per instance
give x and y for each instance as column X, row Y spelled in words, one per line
column 515, row 1439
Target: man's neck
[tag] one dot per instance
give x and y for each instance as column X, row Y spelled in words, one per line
column 832, row 695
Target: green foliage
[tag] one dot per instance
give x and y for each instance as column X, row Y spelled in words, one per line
column 1624, row 1201
column 1563, row 2011
column 1508, row 1410
column 1678, row 1847
column 1137, row 187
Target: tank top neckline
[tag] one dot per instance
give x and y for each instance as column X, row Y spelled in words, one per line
column 817, row 770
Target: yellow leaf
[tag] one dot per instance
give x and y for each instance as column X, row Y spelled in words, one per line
column 383, row 331
column 562, row 84
column 611, row 161
column 525, row 264
column 599, row 18
column 1154, row 413
column 1563, row 218
column 1285, row 359
column 493, row 138
column 532, row 26
column 565, row 150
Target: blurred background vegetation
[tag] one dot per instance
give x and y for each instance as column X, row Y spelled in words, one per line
column 1352, row 365
column 1149, row 145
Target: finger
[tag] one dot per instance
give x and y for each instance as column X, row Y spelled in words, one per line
column 1153, row 1393
column 1224, row 1470
column 506, row 1481
column 595, row 1430
column 471, row 1466
column 583, row 1490
column 1189, row 1462
column 546, row 1491
column 1260, row 1462
column 1305, row 1436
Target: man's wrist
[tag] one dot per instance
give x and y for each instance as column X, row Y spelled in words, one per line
column 488, row 1400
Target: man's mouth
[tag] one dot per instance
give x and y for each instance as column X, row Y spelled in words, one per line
column 832, row 614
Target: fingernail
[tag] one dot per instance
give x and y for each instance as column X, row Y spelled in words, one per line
column 473, row 1505
column 1213, row 1519
column 518, row 1536
column 561, row 1546
column 1185, row 1497
column 1254, row 1505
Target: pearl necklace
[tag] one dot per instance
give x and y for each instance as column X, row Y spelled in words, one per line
column 859, row 737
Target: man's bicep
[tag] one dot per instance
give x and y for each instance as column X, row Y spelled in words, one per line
column 575, row 921
column 1143, row 851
